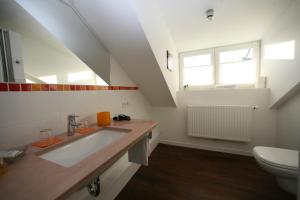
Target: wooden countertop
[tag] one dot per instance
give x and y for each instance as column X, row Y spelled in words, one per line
column 35, row 178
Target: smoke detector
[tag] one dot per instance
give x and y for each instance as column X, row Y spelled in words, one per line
column 209, row 14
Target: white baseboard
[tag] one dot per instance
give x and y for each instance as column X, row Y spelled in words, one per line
column 209, row 148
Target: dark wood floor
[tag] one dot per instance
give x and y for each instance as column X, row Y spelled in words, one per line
column 190, row 174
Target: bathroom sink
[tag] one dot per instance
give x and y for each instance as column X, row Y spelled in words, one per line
column 74, row 152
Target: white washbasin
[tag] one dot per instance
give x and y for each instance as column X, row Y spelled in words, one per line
column 72, row 153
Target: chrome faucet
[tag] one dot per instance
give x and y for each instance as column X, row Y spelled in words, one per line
column 72, row 124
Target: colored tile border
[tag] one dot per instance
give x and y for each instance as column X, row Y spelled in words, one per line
column 45, row 87
column 36, row 87
column 3, row 87
column 53, row 87
column 28, row 87
column 14, row 87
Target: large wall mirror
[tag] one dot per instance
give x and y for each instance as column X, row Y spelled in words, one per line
column 29, row 53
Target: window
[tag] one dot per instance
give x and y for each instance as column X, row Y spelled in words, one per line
column 280, row 51
column 79, row 76
column 222, row 66
column 29, row 81
column 100, row 81
column 198, row 69
column 236, row 67
column 49, row 79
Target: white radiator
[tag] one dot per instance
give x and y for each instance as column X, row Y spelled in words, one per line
column 221, row 122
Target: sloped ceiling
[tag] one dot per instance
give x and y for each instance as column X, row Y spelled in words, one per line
column 235, row 21
column 116, row 24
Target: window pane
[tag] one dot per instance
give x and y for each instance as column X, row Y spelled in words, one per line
column 49, row 79
column 236, row 56
column 100, row 81
column 198, row 75
column 29, row 81
column 198, row 60
column 78, row 76
column 284, row 50
column 237, row 73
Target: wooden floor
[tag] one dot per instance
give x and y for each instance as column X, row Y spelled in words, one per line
column 189, row 174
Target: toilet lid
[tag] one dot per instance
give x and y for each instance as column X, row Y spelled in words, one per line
column 284, row 158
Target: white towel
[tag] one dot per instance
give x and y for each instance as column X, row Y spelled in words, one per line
column 140, row 152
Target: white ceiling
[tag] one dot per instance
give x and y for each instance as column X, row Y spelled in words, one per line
column 235, row 21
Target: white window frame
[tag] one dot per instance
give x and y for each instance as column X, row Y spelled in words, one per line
column 215, row 63
column 195, row 53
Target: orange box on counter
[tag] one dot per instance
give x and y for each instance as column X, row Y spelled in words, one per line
column 103, row 118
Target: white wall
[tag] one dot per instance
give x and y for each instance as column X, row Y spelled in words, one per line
column 282, row 75
column 173, row 120
column 117, row 75
column 289, row 124
column 159, row 39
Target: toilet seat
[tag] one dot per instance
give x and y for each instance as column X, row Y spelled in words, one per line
column 278, row 158
column 283, row 163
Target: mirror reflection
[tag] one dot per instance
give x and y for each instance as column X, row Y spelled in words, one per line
column 30, row 54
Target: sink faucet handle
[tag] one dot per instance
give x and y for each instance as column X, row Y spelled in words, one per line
column 72, row 115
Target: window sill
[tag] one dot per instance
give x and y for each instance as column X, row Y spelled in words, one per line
column 235, row 87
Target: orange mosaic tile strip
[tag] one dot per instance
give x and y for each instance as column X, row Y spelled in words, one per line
column 28, row 87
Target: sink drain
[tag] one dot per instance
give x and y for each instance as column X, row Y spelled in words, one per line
column 94, row 187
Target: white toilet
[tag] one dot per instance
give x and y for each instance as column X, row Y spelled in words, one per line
column 283, row 163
